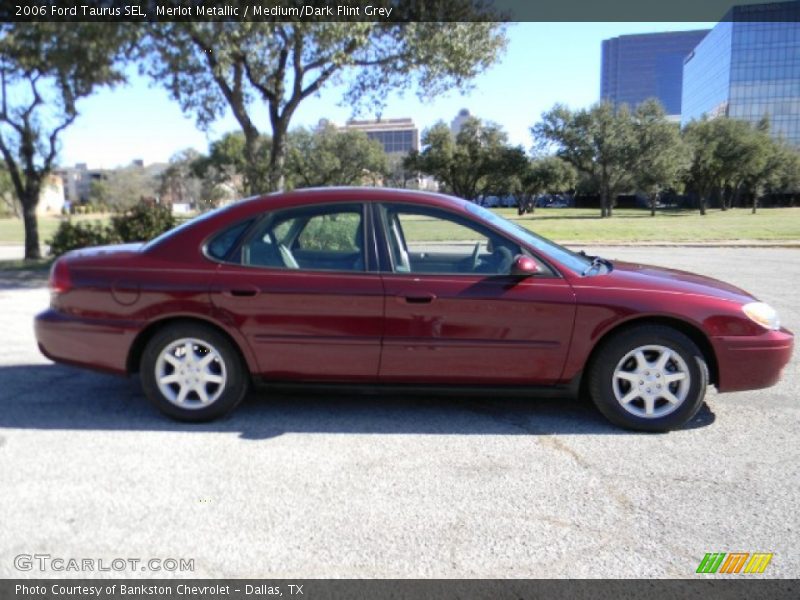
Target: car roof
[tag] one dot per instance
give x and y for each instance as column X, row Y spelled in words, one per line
column 356, row 193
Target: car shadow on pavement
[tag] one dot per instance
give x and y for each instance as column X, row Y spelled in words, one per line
column 59, row 397
column 23, row 279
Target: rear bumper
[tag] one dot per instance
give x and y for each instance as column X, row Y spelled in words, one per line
column 83, row 342
column 752, row 362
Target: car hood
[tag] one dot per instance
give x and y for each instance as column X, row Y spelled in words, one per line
column 636, row 276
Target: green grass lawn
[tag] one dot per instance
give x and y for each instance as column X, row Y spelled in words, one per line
column 635, row 225
column 580, row 226
column 13, row 232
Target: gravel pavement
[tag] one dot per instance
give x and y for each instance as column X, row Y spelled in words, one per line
column 319, row 486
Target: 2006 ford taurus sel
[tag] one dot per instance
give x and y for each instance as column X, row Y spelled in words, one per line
column 375, row 286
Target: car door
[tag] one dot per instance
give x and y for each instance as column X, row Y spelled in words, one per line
column 454, row 314
column 302, row 288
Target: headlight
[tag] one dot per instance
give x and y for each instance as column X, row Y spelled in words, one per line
column 763, row 314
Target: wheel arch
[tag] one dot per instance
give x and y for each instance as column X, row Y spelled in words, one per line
column 145, row 335
column 690, row 330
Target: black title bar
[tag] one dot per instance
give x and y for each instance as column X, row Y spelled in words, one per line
column 396, row 11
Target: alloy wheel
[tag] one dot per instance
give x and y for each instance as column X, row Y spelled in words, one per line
column 651, row 381
column 190, row 373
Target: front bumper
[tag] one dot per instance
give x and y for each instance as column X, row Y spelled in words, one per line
column 752, row 362
column 97, row 345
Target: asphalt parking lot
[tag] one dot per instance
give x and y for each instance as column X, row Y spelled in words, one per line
column 366, row 486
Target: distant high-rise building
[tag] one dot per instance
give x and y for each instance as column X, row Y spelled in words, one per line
column 398, row 136
column 748, row 68
column 649, row 65
column 458, row 121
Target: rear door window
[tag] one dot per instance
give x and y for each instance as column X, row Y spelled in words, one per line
column 327, row 237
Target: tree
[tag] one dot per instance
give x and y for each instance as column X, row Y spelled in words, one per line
column 787, row 178
column 550, row 175
column 124, row 187
column 742, row 153
column 222, row 171
column 504, row 166
column 465, row 165
column 598, row 142
column 179, row 181
column 514, row 174
column 226, row 154
column 731, row 157
column 100, row 192
column 769, row 160
column 45, row 69
column 8, row 203
column 329, row 156
column 210, row 67
column 661, row 157
column 705, row 168
column 397, row 174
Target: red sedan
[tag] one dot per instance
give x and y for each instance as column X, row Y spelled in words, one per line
column 376, row 286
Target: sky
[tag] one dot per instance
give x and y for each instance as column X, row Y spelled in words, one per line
column 544, row 64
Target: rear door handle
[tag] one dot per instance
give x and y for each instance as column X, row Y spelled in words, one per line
column 243, row 292
column 420, row 298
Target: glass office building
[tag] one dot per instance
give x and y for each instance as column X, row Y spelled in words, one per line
column 748, row 67
column 398, row 136
column 638, row 67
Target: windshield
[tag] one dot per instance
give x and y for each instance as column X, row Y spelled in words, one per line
column 568, row 258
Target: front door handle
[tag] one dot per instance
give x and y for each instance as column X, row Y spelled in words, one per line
column 420, row 298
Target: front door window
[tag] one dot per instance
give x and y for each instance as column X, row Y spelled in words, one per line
column 422, row 240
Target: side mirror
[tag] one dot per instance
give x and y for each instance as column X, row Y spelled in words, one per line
column 524, row 266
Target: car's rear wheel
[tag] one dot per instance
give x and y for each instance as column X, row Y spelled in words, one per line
column 192, row 372
column 649, row 378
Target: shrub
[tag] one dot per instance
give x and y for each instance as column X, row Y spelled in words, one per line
column 70, row 236
column 141, row 223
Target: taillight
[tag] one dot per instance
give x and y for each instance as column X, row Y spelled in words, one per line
column 59, row 277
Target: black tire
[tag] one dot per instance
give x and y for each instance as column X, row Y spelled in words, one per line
column 227, row 365
column 604, row 386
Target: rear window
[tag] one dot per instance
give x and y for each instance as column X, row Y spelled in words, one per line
column 223, row 243
column 185, row 225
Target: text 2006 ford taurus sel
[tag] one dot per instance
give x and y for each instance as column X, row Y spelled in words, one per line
column 375, row 286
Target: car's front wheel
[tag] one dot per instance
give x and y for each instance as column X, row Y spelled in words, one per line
column 192, row 372
column 649, row 378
